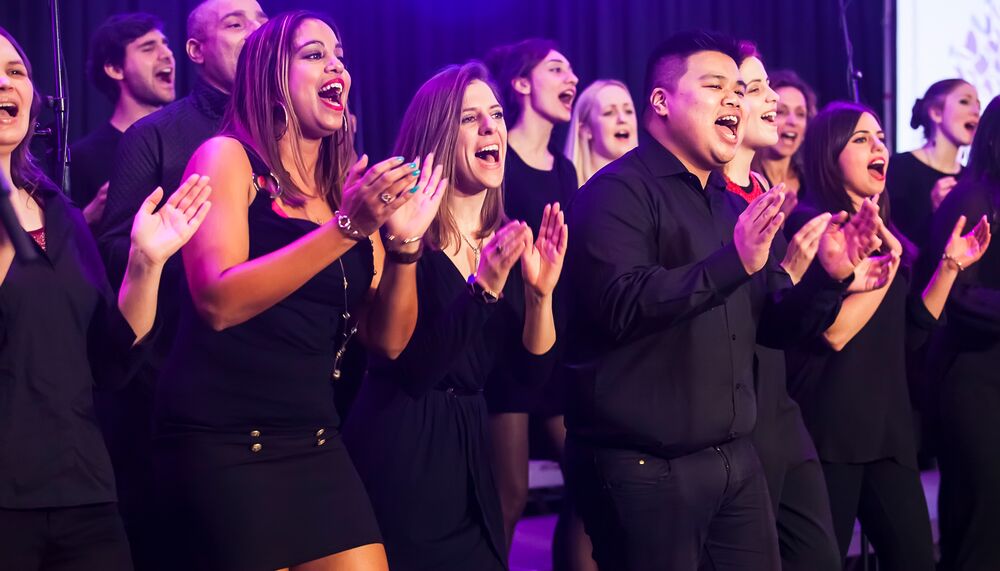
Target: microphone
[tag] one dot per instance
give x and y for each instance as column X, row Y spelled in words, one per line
column 16, row 234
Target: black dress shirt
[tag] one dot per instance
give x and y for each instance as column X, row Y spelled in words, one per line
column 91, row 163
column 664, row 319
column 60, row 336
column 154, row 152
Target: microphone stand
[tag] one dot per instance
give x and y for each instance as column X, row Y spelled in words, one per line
column 853, row 75
column 60, row 104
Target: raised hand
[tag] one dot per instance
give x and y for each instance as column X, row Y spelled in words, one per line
column 541, row 263
column 501, row 253
column 803, row 246
column 413, row 217
column 158, row 235
column 941, row 189
column 844, row 245
column 874, row 272
column 369, row 199
column 756, row 228
column 968, row 249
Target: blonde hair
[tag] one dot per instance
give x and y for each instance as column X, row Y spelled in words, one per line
column 260, row 111
column 577, row 146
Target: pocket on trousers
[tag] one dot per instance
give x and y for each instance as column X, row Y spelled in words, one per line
column 628, row 471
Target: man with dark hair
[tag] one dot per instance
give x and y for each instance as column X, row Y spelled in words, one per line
column 131, row 63
column 154, row 152
column 673, row 283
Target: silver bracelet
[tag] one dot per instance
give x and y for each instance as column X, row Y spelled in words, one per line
column 947, row 256
column 346, row 227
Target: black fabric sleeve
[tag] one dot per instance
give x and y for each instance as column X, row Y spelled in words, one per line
column 614, row 265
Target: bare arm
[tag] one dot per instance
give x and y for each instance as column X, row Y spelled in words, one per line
column 959, row 253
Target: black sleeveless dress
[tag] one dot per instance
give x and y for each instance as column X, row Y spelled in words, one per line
column 250, row 467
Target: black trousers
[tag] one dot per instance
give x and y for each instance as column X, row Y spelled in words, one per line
column 81, row 538
column 889, row 500
column 801, row 504
column 969, row 503
column 706, row 510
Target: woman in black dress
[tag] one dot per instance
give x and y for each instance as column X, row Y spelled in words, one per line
column 538, row 88
column 61, row 336
column 919, row 180
column 250, row 466
column 851, row 380
column 965, row 364
column 418, row 430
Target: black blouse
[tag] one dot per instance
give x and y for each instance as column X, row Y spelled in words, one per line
column 527, row 190
column 856, row 402
column 909, row 183
column 61, row 334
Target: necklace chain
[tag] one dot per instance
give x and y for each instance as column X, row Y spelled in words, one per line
column 475, row 251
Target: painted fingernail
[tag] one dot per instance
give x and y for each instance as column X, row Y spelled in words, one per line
column 416, row 172
column 414, row 189
column 398, row 159
column 411, row 165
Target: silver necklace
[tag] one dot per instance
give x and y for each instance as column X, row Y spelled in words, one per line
column 349, row 329
column 475, row 251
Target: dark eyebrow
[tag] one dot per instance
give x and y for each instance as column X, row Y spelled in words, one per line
column 309, row 43
column 492, row 107
column 749, row 83
column 557, row 60
column 867, row 132
column 149, row 43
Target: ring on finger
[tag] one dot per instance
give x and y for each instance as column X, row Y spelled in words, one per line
column 386, row 197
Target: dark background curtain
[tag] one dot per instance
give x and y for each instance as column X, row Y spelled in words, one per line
column 392, row 46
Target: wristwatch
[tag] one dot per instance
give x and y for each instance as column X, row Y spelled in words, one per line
column 480, row 293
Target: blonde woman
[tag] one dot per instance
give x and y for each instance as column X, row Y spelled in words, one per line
column 603, row 127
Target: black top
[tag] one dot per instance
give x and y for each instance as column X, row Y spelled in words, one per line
column 273, row 370
column 780, row 436
column 418, row 430
column 154, row 152
column 973, row 326
column 527, row 190
column 856, row 402
column 909, row 183
column 60, row 336
column 663, row 316
column 91, row 163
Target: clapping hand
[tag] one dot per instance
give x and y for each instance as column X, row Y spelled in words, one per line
column 844, row 245
column 541, row 263
column 755, row 229
column 501, row 253
column 966, row 250
column 158, row 234
column 414, row 216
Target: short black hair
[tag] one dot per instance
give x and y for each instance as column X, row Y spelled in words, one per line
column 668, row 62
column 107, row 46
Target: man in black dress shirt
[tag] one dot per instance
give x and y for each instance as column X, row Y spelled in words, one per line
column 131, row 63
column 672, row 283
column 154, row 152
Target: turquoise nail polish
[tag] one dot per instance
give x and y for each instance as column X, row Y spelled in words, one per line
column 414, row 189
column 398, row 159
column 416, row 172
column 411, row 165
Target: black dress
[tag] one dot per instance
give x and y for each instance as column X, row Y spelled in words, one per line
column 526, row 192
column 418, row 430
column 250, row 468
column 964, row 365
column 856, row 405
column 909, row 182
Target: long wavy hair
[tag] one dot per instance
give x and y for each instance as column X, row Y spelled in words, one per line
column 24, row 170
column 577, row 147
column 260, row 110
column 431, row 124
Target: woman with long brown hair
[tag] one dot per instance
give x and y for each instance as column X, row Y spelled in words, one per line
column 418, row 430
column 250, row 465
